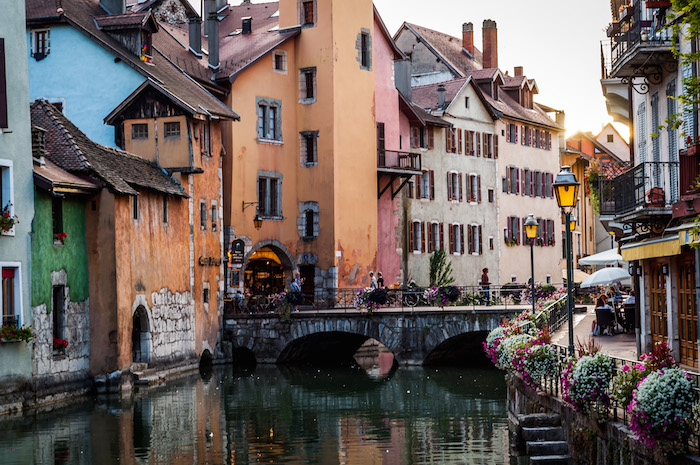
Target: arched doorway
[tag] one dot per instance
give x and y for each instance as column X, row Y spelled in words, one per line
column 267, row 271
column 140, row 337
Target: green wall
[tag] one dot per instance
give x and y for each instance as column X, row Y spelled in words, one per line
column 47, row 257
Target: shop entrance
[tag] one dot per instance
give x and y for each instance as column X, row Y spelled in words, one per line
column 264, row 274
column 687, row 310
column 657, row 304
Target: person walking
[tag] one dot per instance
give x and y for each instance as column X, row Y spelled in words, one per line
column 380, row 280
column 372, row 280
column 484, row 283
column 295, row 289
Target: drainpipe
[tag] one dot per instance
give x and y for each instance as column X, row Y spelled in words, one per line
column 630, row 110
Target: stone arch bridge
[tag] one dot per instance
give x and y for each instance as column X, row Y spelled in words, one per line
column 414, row 337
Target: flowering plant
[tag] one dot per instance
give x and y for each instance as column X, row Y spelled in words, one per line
column 542, row 291
column 442, row 296
column 369, row 299
column 689, row 141
column 60, row 236
column 630, row 375
column 11, row 333
column 512, row 241
column 507, row 349
column 284, row 301
column 585, row 381
column 60, row 345
column 495, row 336
column 535, row 361
column 7, row 219
column 551, row 241
column 660, row 408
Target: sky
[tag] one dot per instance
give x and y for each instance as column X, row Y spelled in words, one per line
column 557, row 42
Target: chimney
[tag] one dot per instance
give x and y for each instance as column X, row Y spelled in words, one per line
column 518, row 71
column 114, row 7
column 247, row 25
column 195, row 34
column 468, row 38
column 212, row 29
column 402, row 77
column 441, row 96
column 490, row 40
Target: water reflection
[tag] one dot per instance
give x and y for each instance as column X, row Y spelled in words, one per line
column 272, row 415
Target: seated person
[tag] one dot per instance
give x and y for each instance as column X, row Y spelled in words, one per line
column 602, row 306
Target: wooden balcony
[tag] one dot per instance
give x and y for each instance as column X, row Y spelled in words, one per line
column 393, row 165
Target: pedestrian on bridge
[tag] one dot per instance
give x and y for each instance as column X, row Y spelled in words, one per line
column 484, row 283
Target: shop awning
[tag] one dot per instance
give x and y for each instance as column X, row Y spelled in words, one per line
column 651, row 248
column 685, row 234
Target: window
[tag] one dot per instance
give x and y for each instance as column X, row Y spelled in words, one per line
column 364, row 49
column 469, row 143
column 10, row 296
column 410, row 190
column 203, row 215
column 308, row 148
column 172, row 129
column 308, row 13
column 59, row 312
column 205, row 295
column 270, row 195
column 6, row 190
column 41, row 43
column 548, row 279
column 490, row 242
column 456, row 239
column 488, row 145
column 513, row 180
column 435, row 237
column 3, row 87
column 422, row 137
column 512, row 133
column 426, row 185
column 214, row 217
column 512, row 231
column 165, row 209
column 538, row 184
column 307, row 85
column 135, row 207
column 139, row 131
column 269, row 119
column 416, row 236
column 279, row 61
column 307, row 221
column 492, row 195
column 205, row 138
column 454, row 186
column 466, row 102
column 474, row 188
column 57, row 219
column 474, row 239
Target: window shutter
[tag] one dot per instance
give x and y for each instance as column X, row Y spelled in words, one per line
column 517, row 181
column 432, row 185
column 517, row 228
column 449, row 186
column 508, row 181
column 486, row 146
column 544, row 185
column 461, row 239
column 481, row 244
column 522, row 181
column 508, row 132
column 441, row 241
column 516, row 134
column 430, row 237
column 478, row 188
column 495, row 146
column 532, row 183
column 459, row 141
column 419, row 186
column 478, row 144
column 447, row 140
column 431, row 137
column 470, row 239
column 524, row 231
column 468, row 182
column 4, row 122
column 452, row 238
column 460, row 186
column 411, row 236
column 415, row 138
column 509, row 228
column 546, row 230
column 422, row 237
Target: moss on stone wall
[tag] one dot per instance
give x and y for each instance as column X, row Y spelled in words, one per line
column 48, row 257
column 583, row 445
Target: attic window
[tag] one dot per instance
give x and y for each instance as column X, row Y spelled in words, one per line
column 41, row 44
column 146, row 47
column 139, row 131
column 610, row 138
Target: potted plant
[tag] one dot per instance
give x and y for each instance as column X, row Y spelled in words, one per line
column 59, row 346
column 60, row 237
column 692, row 145
column 7, row 219
column 14, row 334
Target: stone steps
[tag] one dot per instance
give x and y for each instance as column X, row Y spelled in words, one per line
column 550, row 460
column 547, row 448
column 543, row 433
column 539, row 419
column 544, row 439
column 144, row 376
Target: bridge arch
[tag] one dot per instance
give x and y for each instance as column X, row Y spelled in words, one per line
column 411, row 337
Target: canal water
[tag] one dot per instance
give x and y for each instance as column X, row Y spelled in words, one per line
column 278, row 415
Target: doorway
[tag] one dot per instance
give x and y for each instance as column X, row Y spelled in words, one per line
column 140, row 337
column 687, row 310
column 657, row 304
column 264, row 273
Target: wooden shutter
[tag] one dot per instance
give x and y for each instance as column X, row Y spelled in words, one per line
column 452, row 238
column 430, row 237
column 460, row 186
column 495, row 146
column 478, row 144
column 507, row 132
column 415, row 137
column 447, row 140
column 532, row 183
column 508, row 180
column 481, row 244
column 524, row 231
column 468, row 181
column 517, row 228
column 4, row 123
column 422, row 237
column 441, row 241
column 544, row 184
column 419, row 186
column 509, row 228
column 478, row 188
column 516, row 134
column 449, row 186
column 459, row 141
column 517, row 181
column 470, row 240
column 461, row 239
column 486, row 145
column 431, row 137
column 432, row 185
column 522, row 181
column 411, row 236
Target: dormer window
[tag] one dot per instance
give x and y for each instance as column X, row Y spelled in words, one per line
column 146, row 45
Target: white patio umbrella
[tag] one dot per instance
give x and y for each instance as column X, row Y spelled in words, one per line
column 607, row 257
column 605, row 276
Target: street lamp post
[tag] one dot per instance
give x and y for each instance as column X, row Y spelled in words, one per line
column 531, row 231
column 566, row 190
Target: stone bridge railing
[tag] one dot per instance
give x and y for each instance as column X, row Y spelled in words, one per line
column 415, row 338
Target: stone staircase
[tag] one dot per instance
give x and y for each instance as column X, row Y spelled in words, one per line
column 144, row 376
column 544, row 439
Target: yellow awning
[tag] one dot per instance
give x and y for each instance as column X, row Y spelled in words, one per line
column 687, row 238
column 653, row 248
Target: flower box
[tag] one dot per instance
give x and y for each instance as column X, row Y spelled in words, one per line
column 658, row 4
column 692, row 150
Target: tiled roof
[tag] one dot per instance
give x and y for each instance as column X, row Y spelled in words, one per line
column 140, row 5
column 70, row 149
column 80, row 13
column 449, row 47
column 426, row 96
column 125, row 20
column 59, row 177
column 508, row 107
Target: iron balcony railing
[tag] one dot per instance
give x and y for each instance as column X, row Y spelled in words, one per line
column 634, row 29
column 652, row 185
column 10, row 320
column 398, row 160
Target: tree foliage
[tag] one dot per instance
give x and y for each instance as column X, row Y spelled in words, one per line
column 440, row 269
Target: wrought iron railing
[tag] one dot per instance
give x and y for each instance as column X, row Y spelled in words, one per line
column 10, row 320
column 401, row 160
column 647, row 185
column 632, row 30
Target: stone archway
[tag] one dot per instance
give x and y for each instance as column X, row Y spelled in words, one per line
column 141, row 347
column 269, row 258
